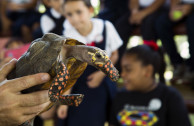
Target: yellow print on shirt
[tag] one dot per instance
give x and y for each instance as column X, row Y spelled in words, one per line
column 136, row 118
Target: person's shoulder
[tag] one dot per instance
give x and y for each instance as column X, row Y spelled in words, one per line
column 97, row 21
column 171, row 91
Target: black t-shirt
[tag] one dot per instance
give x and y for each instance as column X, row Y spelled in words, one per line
column 162, row 106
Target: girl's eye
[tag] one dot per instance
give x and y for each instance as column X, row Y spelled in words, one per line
column 69, row 14
column 78, row 12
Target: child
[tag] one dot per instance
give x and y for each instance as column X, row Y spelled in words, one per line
column 144, row 102
column 52, row 20
column 97, row 88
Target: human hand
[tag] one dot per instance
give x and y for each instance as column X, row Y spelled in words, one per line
column 179, row 12
column 95, row 79
column 137, row 17
column 62, row 111
column 16, row 108
column 14, row 7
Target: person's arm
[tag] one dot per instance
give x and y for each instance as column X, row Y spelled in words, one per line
column 138, row 16
column 16, row 7
column 114, row 57
column 174, row 3
column 182, row 10
column 133, row 5
column 16, row 108
column 3, row 7
column 177, row 114
column 153, row 7
column 30, row 5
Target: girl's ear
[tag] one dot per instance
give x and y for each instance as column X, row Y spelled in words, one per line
column 91, row 9
column 149, row 71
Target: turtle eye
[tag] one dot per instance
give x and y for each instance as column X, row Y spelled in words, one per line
column 98, row 55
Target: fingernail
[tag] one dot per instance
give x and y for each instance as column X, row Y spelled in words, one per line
column 45, row 77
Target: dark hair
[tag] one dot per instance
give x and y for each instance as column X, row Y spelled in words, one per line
column 148, row 56
column 86, row 2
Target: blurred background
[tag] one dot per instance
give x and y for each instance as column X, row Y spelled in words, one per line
column 18, row 29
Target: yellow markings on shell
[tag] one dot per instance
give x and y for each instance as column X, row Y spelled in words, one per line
column 101, row 54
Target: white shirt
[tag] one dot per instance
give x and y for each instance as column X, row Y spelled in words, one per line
column 145, row 3
column 113, row 40
column 188, row 1
column 47, row 23
column 20, row 1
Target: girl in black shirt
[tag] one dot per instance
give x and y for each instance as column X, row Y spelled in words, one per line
column 144, row 102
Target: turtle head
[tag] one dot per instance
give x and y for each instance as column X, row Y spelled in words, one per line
column 99, row 59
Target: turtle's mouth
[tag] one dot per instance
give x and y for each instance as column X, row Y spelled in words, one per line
column 109, row 69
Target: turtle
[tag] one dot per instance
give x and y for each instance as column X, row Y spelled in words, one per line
column 64, row 59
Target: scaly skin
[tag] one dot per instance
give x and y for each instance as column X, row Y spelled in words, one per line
column 59, row 84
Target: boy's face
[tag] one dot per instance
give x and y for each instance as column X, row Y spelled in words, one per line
column 133, row 73
column 56, row 4
column 77, row 13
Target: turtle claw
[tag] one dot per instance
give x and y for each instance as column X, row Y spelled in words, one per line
column 72, row 99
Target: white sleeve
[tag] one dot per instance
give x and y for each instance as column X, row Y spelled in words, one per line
column 113, row 40
column 46, row 24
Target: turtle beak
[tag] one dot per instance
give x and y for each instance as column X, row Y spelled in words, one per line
column 109, row 69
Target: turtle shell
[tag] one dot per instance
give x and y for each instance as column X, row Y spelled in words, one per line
column 42, row 56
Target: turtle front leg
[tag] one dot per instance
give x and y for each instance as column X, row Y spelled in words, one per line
column 58, row 85
column 72, row 99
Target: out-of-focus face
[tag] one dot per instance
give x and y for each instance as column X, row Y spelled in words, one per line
column 77, row 13
column 133, row 73
column 56, row 4
column 15, row 45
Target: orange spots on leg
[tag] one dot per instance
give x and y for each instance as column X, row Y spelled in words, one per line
column 100, row 65
column 61, row 79
column 59, row 88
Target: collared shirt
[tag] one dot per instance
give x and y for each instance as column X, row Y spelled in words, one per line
column 113, row 40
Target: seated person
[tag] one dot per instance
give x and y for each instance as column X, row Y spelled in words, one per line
column 141, row 13
column 179, row 11
column 22, row 16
